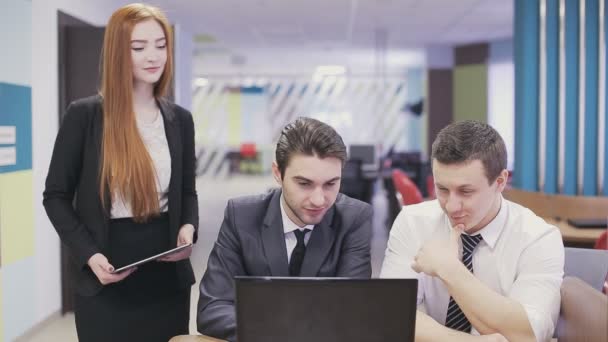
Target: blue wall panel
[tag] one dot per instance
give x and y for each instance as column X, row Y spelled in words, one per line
column 592, row 8
column 526, row 94
column 16, row 110
column 571, row 92
column 552, row 98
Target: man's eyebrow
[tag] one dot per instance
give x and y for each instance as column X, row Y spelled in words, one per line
column 302, row 178
column 467, row 185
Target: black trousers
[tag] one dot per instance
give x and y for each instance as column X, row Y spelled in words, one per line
column 146, row 306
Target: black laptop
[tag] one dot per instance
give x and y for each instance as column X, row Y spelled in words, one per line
column 325, row 309
column 589, row 222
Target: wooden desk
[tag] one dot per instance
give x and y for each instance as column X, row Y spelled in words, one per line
column 586, row 236
column 551, row 207
column 194, row 338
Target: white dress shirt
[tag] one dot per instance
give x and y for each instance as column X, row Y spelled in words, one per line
column 520, row 257
column 288, row 229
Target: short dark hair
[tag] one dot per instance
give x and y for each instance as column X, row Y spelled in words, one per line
column 309, row 137
column 469, row 140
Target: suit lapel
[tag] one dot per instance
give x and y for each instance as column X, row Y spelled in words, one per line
column 319, row 245
column 98, row 138
column 273, row 238
column 172, row 132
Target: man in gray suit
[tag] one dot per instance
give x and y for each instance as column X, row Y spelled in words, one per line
column 304, row 229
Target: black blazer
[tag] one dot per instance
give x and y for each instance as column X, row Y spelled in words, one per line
column 251, row 242
column 82, row 224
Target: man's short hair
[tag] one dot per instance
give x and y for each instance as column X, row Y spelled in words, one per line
column 465, row 141
column 308, row 137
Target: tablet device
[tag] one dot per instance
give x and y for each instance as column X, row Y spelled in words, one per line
column 154, row 257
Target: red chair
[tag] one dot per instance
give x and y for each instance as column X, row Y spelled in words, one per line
column 249, row 162
column 407, row 192
column 430, row 186
column 602, row 241
column 248, row 150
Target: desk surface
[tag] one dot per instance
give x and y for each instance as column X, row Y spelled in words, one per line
column 573, row 234
column 550, row 206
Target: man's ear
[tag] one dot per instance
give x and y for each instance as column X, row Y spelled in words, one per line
column 276, row 173
column 502, row 180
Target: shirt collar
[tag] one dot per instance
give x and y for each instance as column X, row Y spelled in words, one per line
column 288, row 225
column 492, row 230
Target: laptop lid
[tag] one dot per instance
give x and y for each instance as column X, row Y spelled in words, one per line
column 589, row 222
column 325, row 309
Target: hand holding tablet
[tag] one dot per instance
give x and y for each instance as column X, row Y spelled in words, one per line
column 152, row 258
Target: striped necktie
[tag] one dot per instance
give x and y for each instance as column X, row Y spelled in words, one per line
column 455, row 319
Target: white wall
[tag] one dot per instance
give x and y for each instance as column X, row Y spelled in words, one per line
column 501, row 94
column 183, row 65
column 501, row 104
column 45, row 125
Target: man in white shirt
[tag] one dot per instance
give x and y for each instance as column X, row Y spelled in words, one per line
column 304, row 229
column 486, row 266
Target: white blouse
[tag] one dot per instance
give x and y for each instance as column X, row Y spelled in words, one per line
column 155, row 140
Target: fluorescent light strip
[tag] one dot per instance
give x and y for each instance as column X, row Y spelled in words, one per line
column 581, row 98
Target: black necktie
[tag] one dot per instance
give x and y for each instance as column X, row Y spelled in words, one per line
column 455, row 319
column 297, row 256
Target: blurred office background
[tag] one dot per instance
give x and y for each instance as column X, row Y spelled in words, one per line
column 387, row 74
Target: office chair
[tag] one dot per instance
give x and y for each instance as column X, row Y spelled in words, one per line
column 352, row 184
column 583, row 313
column 589, row 265
column 407, row 192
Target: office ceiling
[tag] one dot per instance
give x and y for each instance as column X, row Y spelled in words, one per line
column 338, row 24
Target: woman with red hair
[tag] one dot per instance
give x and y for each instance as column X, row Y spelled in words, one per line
column 121, row 187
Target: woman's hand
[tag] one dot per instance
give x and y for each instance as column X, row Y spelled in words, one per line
column 103, row 270
column 184, row 237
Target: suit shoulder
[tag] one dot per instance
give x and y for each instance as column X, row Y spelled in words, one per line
column 181, row 112
column 83, row 109
column 252, row 201
column 248, row 212
column 345, row 203
column 86, row 103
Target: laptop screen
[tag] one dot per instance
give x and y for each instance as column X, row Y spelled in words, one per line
column 325, row 309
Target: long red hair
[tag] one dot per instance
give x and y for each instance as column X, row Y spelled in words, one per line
column 126, row 166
